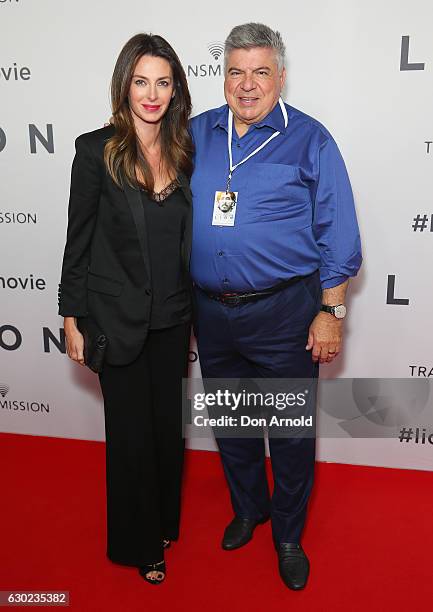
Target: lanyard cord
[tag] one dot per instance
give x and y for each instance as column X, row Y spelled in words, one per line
column 230, row 135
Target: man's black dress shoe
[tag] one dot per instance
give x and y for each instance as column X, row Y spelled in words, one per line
column 239, row 532
column 293, row 565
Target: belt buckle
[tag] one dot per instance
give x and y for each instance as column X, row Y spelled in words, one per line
column 231, row 299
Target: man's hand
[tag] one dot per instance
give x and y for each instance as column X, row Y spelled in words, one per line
column 74, row 340
column 325, row 337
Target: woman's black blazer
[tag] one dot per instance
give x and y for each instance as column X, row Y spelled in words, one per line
column 106, row 271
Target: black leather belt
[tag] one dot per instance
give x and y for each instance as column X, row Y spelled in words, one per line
column 234, row 299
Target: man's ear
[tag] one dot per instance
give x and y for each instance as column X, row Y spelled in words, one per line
column 283, row 77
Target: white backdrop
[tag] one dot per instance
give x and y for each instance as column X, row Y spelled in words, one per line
column 348, row 66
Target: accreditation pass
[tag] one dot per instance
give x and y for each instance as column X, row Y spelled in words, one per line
column 224, row 208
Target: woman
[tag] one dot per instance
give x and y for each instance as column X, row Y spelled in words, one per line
column 125, row 268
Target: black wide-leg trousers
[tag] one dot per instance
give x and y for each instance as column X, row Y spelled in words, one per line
column 144, row 447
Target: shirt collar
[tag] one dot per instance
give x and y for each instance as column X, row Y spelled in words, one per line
column 221, row 117
column 274, row 119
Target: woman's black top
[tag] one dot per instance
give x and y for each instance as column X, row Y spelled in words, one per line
column 165, row 219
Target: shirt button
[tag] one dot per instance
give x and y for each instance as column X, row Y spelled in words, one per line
column 238, row 146
column 220, row 253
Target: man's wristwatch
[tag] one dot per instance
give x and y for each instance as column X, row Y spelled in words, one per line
column 338, row 311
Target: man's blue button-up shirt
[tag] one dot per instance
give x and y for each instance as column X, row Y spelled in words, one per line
column 295, row 212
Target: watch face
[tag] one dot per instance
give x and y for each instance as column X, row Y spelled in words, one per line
column 340, row 311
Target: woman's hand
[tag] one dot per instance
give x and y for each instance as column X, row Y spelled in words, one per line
column 74, row 340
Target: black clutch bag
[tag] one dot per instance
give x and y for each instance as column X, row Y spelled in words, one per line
column 95, row 343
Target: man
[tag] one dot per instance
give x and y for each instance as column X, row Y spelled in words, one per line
column 270, row 271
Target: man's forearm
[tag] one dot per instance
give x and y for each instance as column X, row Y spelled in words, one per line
column 335, row 295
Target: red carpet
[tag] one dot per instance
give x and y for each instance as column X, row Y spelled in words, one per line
column 369, row 538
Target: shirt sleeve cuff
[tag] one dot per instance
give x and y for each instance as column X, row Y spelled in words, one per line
column 334, row 281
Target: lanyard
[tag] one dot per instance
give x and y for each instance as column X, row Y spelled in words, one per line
column 230, row 135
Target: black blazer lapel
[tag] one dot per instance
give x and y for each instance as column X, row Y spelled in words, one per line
column 184, row 183
column 134, row 200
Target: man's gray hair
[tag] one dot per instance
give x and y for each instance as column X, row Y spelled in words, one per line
column 250, row 35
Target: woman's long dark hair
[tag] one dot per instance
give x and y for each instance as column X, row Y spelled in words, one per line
column 123, row 156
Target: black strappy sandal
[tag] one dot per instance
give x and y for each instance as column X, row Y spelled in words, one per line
column 153, row 567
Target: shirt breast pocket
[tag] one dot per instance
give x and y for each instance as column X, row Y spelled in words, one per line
column 277, row 193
